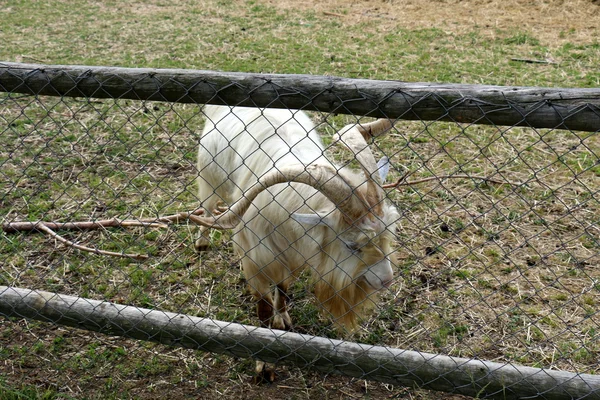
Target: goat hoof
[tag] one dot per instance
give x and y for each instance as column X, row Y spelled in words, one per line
column 283, row 322
column 202, row 245
column 265, row 373
column 278, row 322
column 288, row 326
column 202, row 249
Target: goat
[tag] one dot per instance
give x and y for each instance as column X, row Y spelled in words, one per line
column 290, row 209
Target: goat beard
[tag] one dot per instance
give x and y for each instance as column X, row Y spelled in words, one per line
column 345, row 300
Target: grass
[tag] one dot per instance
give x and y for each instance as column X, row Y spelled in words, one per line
column 484, row 270
column 26, row 393
column 210, row 36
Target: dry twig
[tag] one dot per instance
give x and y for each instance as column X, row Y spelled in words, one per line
column 160, row 222
column 24, row 226
column 44, row 228
column 47, row 227
column 532, row 61
column 403, row 182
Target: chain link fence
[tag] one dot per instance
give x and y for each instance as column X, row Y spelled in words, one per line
column 494, row 251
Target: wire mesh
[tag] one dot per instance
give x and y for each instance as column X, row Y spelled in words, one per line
column 495, row 244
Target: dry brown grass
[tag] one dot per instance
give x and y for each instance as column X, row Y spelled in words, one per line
column 578, row 20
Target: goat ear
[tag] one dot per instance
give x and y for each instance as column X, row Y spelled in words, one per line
column 383, row 166
column 310, row 220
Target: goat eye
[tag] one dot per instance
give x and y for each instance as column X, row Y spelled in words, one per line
column 353, row 247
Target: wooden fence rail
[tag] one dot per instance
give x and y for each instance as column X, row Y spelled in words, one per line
column 393, row 366
column 575, row 109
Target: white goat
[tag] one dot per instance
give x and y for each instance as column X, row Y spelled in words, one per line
column 290, row 209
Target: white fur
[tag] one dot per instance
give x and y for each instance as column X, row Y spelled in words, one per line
column 289, row 226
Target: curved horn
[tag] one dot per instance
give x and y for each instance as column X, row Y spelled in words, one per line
column 324, row 178
column 355, row 137
column 375, row 128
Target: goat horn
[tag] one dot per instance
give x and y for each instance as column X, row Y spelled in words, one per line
column 324, row 178
column 355, row 137
column 375, row 128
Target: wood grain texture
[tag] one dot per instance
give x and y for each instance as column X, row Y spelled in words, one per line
column 561, row 108
column 389, row 365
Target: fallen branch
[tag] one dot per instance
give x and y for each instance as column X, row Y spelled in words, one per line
column 332, row 14
column 47, row 227
column 44, row 228
column 160, row 222
column 532, row 61
column 403, row 182
column 24, row 226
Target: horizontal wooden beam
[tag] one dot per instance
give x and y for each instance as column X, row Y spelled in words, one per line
column 561, row 108
column 384, row 364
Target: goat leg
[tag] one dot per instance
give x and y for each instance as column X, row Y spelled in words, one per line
column 282, row 319
column 265, row 372
column 203, row 240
